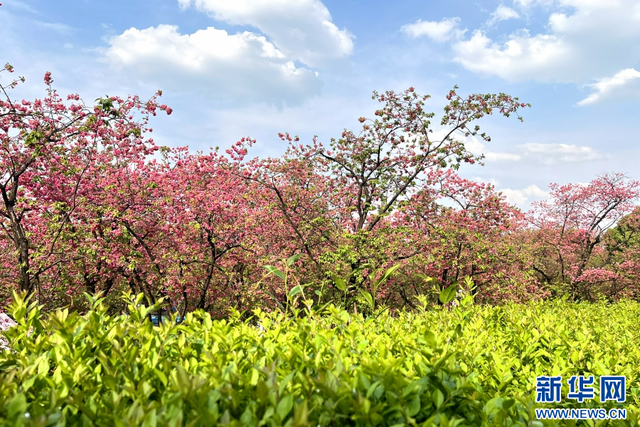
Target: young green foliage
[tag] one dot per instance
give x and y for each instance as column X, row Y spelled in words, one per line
column 467, row 366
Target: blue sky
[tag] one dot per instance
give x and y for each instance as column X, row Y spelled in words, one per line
column 258, row 67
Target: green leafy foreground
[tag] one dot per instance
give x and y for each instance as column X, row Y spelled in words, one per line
column 464, row 366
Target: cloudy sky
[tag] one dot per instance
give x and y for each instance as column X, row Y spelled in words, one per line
column 258, row 67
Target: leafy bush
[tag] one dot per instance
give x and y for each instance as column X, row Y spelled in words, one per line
column 469, row 366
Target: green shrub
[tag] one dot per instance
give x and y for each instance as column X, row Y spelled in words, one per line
column 471, row 366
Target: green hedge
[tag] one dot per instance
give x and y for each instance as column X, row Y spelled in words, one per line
column 470, row 366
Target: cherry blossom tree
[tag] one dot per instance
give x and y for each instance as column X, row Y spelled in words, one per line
column 568, row 231
column 456, row 228
column 621, row 257
column 91, row 205
column 365, row 177
column 52, row 154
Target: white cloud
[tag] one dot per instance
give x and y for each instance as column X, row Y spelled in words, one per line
column 474, row 145
column 502, row 13
column 520, row 197
column 243, row 65
column 625, row 83
column 501, row 157
column 529, row 3
column 261, row 66
column 598, row 38
column 439, row 31
column 301, row 29
column 534, row 152
column 59, row 28
column 20, row 5
column 522, row 57
column 552, row 153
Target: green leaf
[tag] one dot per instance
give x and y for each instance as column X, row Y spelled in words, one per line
column 430, row 338
column 448, row 294
column 466, row 301
column 372, row 388
column 438, row 398
column 255, row 376
column 17, row 405
column 359, row 269
column 284, row 382
column 367, row 296
column 493, row 405
column 161, row 376
column 225, row 419
column 426, row 278
column 301, row 415
column 387, row 274
column 262, row 390
column 575, row 356
column 284, row 406
column 295, row 291
column 293, row 259
column 413, row 407
column 273, row 270
column 340, row 283
column 182, row 379
column 508, row 403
